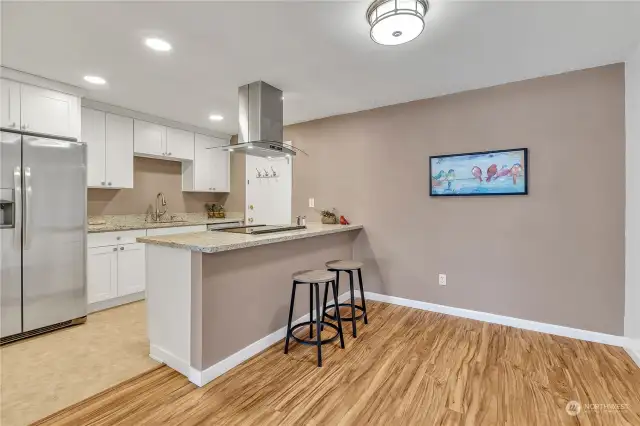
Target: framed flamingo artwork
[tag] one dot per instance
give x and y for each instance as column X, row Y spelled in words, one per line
column 503, row 172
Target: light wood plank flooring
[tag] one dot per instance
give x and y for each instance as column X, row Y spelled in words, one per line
column 407, row 367
column 47, row 373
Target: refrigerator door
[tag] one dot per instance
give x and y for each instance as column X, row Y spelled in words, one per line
column 53, row 232
column 10, row 237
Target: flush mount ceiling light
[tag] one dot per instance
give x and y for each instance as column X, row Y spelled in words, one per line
column 396, row 22
column 93, row 79
column 157, row 44
column 215, row 117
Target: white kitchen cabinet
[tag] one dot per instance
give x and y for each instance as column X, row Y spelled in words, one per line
column 131, row 268
column 149, row 139
column 119, row 151
column 102, row 273
column 179, row 144
column 9, row 104
column 93, row 134
column 49, row 112
column 209, row 171
column 109, row 139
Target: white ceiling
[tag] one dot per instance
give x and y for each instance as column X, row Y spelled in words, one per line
column 318, row 53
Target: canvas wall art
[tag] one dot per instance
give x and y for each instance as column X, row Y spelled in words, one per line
column 501, row 172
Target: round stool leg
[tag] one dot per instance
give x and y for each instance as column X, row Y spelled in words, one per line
column 353, row 304
column 318, row 332
column 364, row 303
column 324, row 304
column 310, row 311
column 293, row 298
column 335, row 297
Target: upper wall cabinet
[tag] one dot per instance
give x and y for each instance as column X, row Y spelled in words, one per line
column 209, row 171
column 154, row 140
column 10, row 104
column 39, row 110
column 109, row 140
column 179, row 144
column 149, row 139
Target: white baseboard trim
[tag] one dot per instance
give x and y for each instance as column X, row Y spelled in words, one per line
column 558, row 330
column 634, row 354
column 116, row 301
column 180, row 365
column 201, row 378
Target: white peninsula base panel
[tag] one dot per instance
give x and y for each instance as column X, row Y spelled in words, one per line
column 208, row 312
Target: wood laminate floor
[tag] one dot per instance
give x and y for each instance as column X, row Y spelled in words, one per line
column 47, row 373
column 407, row 367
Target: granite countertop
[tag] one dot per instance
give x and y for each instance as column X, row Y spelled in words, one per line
column 141, row 221
column 216, row 241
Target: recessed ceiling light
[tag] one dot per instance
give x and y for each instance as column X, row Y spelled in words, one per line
column 230, row 149
column 93, row 79
column 215, row 117
column 158, row 44
column 250, row 147
column 394, row 22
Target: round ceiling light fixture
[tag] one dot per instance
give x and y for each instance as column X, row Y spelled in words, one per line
column 396, row 22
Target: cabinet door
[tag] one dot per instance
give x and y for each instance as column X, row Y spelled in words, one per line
column 131, row 268
column 102, row 273
column 93, row 134
column 119, row 143
column 49, row 112
column 202, row 164
column 219, row 167
column 179, row 144
column 9, row 104
column 149, row 138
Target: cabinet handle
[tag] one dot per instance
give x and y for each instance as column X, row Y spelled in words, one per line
column 109, row 183
column 168, row 153
column 24, row 126
column 115, row 249
column 13, row 125
column 118, row 238
column 121, row 248
column 103, row 183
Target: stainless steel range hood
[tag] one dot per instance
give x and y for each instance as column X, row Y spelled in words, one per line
column 260, row 122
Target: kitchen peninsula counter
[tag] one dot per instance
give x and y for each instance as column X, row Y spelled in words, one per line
column 216, row 241
column 214, row 298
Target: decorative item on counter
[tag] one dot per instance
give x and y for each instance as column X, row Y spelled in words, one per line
column 215, row 211
column 343, row 220
column 329, row 217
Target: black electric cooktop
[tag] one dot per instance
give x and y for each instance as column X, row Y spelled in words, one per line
column 262, row 229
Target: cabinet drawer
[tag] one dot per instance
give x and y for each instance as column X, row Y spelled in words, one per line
column 102, row 239
column 176, row 230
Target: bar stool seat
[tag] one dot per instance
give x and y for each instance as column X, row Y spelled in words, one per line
column 314, row 278
column 350, row 267
column 344, row 265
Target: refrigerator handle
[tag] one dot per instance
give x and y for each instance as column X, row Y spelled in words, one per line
column 28, row 192
column 17, row 198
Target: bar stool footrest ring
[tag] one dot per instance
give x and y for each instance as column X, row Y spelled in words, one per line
column 348, row 305
column 313, row 341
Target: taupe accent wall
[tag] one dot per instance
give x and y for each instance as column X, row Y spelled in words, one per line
column 151, row 176
column 554, row 256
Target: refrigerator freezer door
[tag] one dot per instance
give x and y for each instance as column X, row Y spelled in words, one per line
column 54, row 231
column 10, row 239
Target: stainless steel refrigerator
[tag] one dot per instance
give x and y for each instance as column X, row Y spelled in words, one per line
column 43, row 221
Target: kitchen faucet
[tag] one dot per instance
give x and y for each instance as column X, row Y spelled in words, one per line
column 163, row 201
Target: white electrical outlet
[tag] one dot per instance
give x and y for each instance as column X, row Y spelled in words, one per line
column 312, row 202
column 442, row 279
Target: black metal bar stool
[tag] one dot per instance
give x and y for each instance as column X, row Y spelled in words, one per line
column 314, row 278
column 350, row 267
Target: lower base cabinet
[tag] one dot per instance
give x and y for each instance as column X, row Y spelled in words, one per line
column 114, row 271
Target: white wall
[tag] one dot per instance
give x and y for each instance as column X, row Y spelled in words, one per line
column 270, row 197
column 632, row 244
